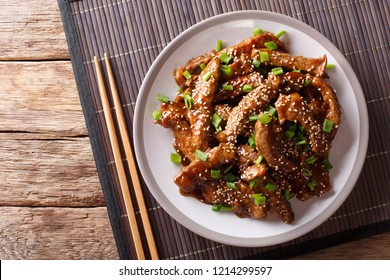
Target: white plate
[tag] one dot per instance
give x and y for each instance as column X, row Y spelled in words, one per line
column 153, row 143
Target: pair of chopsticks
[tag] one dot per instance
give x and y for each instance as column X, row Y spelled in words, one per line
column 130, row 163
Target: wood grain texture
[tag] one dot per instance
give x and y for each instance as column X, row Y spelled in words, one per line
column 56, row 233
column 51, row 204
column 48, row 172
column 31, row 30
column 40, row 97
column 372, row 248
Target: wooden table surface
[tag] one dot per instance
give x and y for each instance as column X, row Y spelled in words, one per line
column 51, row 203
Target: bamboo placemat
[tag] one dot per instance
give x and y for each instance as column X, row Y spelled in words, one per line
column 135, row 32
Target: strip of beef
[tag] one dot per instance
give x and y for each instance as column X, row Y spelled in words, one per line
column 254, row 79
column 315, row 103
column 203, row 95
column 199, row 170
column 321, row 176
column 246, row 156
column 240, row 198
column 240, row 66
column 280, row 204
column 317, row 184
column 254, row 171
column 192, row 66
column 285, row 183
column 251, row 103
column 276, row 199
column 266, row 144
column 223, row 111
column 246, row 206
column 297, row 82
column 253, row 42
column 235, row 51
column 293, row 108
column 329, row 104
column 275, row 196
column 174, row 115
column 314, row 66
column 294, row 82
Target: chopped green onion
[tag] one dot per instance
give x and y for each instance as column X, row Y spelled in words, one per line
column 299, row 138
column 220, row 207
column 202, row 65
column 265, row 118
column 257, row 31
column 252, row 141
column 327, row 126
column 227, row 169
column 326, row 163
column 162, row 97
column 271, row 110
column 253, row 118
column 255, row 63
column 188, row 101
column 270, row 187
column 288, row 194
column 230, row 177
column 271, row 45
column 289, row 134
column 307, row 82
column 226, row 69
column 296, row 71
column 280, row 33
column 201, row 155
column 207, row 76
column 180, row 90
column 277, row 71
column 258, row 160
column 187, row 75
column 215, row 173
column 247, row 88
column 216, row 121
column 330, row 66
column 312, row 184
column 216, row 207
column 254, row 183
column 311, row 160
column 227, row 87
column 225, row 58
column 175, row 158
column 264, row 56
column 231, row 185
column 156, row 115
column 218, row 128
column 292, row 126
column 259, row 198
column 307, row 172
column 218, row 45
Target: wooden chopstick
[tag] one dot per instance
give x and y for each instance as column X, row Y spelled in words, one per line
column 131, row 162
column 119, row 165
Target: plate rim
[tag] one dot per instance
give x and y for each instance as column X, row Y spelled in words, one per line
column 363, row 129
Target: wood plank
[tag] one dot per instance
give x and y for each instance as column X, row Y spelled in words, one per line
column 371, row 248
column 40, row 97
column 31, row 30
column 56, row 233
column 48, row 172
